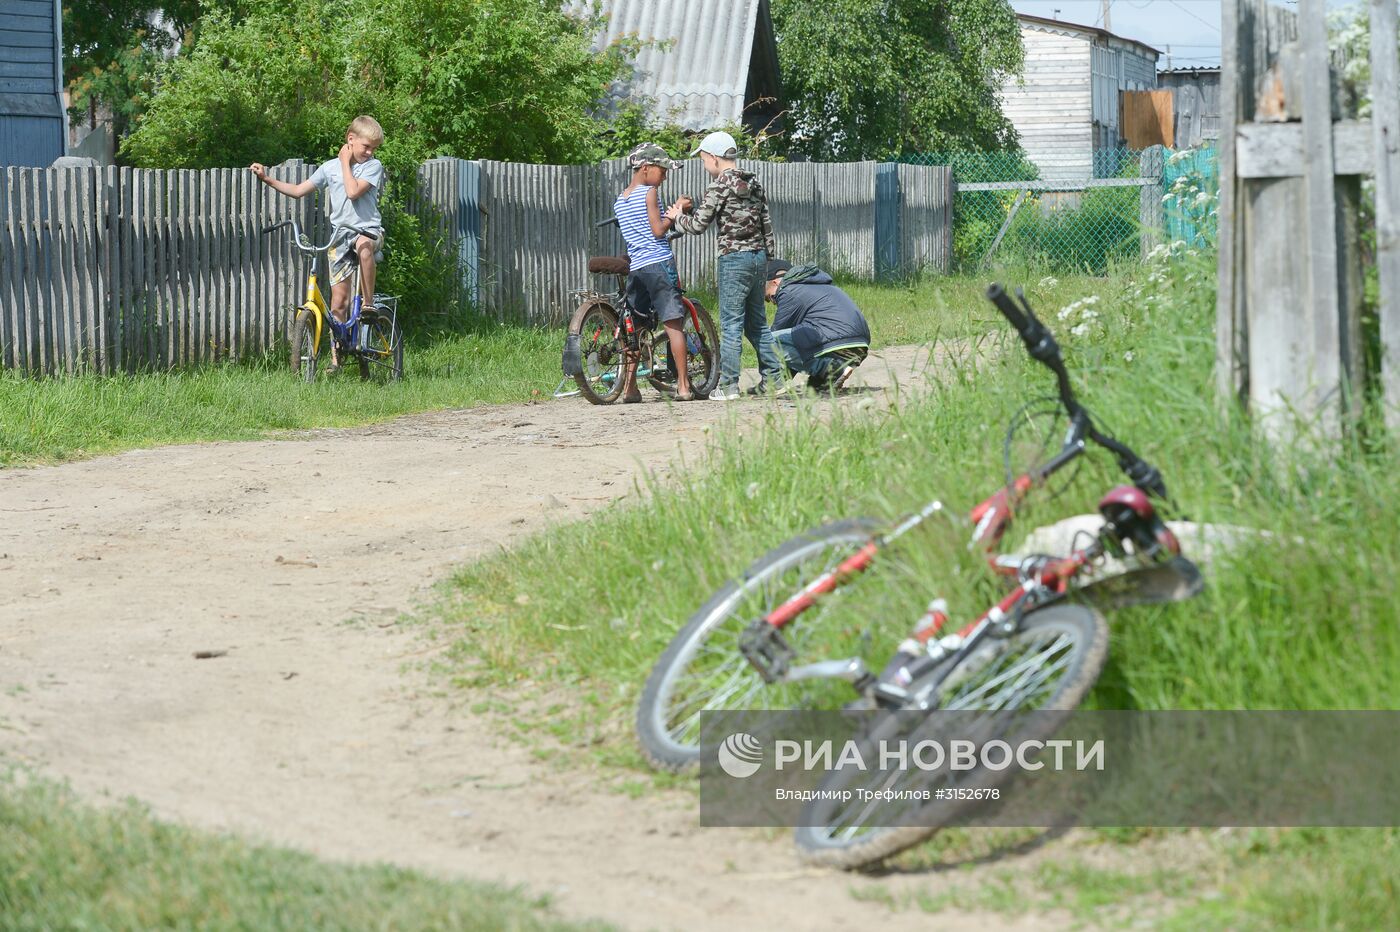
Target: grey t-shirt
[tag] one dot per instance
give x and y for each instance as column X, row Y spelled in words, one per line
column 361, row 213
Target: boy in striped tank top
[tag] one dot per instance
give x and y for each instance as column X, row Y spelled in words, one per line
column 652, row 282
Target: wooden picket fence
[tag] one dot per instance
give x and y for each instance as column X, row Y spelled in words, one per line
column 120, row 270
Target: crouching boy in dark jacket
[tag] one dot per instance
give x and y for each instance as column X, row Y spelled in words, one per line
column 818, row 328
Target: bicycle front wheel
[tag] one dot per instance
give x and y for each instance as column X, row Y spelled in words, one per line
column 304, row 345
column 1049, row 664
column 382, row 351
column 702, row 669
column 600, row 345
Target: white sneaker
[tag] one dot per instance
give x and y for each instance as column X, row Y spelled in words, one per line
column 725, row 394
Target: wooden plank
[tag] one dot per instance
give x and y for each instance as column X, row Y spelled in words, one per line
column 34, row 276
column 218, row 263
column 207, row 216
column 1147, row 118
column 27, row 69
column 109, row 283
column 1275, row 150
column 150, row 265
column 1236, row 71
column 1385, row 122
column 42, row 38
column 187, row 260
column 87, row 222
column 131, row 262
column 40, row 8
column 170, row 270
column 9, row 274
column 60, row 272
column 1321, row 218
column 26, row 85
column 242, row 197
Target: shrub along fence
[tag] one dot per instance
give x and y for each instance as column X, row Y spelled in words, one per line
column 119, row 269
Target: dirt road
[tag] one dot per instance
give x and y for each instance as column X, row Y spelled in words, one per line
column 321, row 734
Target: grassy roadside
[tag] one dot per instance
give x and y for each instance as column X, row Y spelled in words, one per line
column 1301, row 619
column 66, row 865
column 59, row 419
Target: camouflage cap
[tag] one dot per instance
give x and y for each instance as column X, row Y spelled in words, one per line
column 649, row 153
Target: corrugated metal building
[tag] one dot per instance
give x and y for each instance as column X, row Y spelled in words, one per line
column 1067, row 104
column 1195, row 104
column 33, row 126
column 714, row 62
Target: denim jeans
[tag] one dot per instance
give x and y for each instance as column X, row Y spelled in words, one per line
column 741, row 314
column 816, row 369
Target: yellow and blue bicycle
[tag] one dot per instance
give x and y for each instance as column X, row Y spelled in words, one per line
column 371, row 335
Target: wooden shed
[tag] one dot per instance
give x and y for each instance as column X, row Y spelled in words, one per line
column 33, row 127
column 1195, row 104
column 1067, row 104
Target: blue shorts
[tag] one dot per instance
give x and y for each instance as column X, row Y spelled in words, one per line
column 654, row 293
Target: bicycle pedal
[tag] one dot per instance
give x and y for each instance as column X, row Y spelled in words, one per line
column 763, row 646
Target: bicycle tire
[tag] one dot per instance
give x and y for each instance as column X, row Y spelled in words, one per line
column 601, row 379
column 303, row 354
column 675, row 747
column 383, row 352
column 1088, row 632
column 703, row 366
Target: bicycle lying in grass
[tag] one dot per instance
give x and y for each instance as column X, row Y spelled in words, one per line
column 372, row 337
column 605, row 332
column 790, row 633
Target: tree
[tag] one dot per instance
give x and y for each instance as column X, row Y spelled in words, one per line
column 872, row 79
column 112, row 50
column 502, row 79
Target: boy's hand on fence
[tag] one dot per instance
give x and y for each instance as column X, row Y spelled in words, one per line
column 259, row 169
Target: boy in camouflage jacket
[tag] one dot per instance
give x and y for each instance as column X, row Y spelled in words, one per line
column 735, row 200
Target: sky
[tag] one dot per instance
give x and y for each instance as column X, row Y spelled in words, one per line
column 1190, row 27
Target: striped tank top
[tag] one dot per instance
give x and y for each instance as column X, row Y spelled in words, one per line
column 643, row 248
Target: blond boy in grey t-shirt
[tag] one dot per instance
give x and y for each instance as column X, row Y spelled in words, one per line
column 352, row 182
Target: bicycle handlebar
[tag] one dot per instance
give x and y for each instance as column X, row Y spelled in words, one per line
column 670, row 234
column 1041, row 345
column 299, row 238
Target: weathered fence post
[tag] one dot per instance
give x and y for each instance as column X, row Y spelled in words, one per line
column 1151, row 214
column 1385, row 124
column 1288, row 334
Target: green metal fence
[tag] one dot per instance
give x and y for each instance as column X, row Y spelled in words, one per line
column 1191, row 179
column 1004, row 212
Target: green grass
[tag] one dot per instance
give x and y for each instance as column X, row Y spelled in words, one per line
column 56, row 419
column 66, row 865
column 1301, row 619
column 64, row 418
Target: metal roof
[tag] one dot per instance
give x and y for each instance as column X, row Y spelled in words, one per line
column 699, row 77
column 1059, row 25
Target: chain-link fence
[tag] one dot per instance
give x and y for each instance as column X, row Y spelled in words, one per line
column 1005, row 213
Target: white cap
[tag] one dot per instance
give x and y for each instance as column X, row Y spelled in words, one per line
column 718, row 144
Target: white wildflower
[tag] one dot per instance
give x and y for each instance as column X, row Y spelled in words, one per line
column 752, row 490
column 1128, row 356
column 1079, row 330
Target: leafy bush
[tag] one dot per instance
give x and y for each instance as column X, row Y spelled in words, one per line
column 502, row 79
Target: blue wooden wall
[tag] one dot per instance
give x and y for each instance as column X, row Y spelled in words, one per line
column 31, row 82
